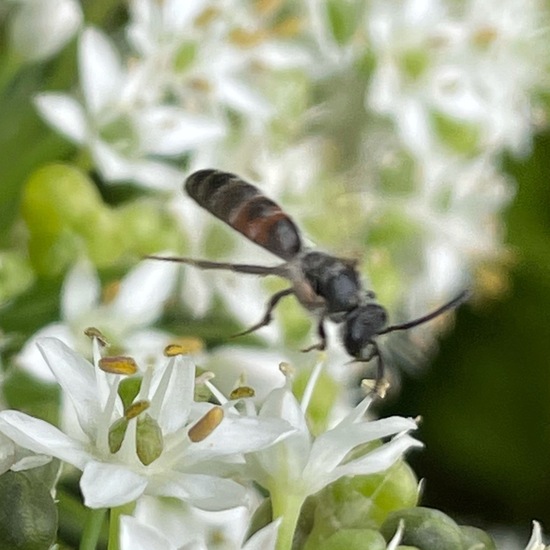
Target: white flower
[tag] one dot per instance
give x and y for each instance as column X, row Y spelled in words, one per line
column 535, row 542
column 122, row 121
column 171, row 525
column 161, row 445
column 124, row 320
column 38, row 29
column 301, row 465
column 477, row 65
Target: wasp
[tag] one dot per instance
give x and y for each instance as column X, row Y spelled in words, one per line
column 328, row 286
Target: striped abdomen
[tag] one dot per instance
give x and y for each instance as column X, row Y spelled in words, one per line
column 244, row 208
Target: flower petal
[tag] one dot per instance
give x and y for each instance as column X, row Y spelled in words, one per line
column 203, row 491
column 135, row 535
column 166, row 130
column 77, row 378
column 331, row 447
column 100, row 70
column 43, row 438
column 265, row 538
column 376, row 461
column 7, row 453
column 143, row 291
column 63, row 113
column 239, row 435
column 30, row 357
column 81, row 291
column 178, row 393
column 107, row 485
column 39, row 29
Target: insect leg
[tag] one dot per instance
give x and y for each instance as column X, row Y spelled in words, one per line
column 274, row 300
column 261, row 270
column 322, row 343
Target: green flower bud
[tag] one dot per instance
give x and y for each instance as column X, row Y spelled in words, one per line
column 15, row 274
column 352, row 539
column 28, row 515
column 473, row 537
column 460, row 136
column 128, row 389
column 116, row 434
column 361, row 502
column 425, row 528
column 65, row 214
column 145, row 227
column 343, row 18
column 149, row 440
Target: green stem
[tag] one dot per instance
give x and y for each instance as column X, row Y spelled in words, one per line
column 92, row 529
column 286, row 506
column 114, row 524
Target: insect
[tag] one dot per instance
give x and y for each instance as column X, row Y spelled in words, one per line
column 328, row 286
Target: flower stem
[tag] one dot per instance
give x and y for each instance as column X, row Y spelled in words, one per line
column 286, row 506
column 114, row 524
column 92, row 529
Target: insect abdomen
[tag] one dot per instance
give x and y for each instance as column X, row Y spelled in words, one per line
column 245, row 209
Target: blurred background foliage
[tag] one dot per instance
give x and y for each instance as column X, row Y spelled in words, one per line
column 485, row 400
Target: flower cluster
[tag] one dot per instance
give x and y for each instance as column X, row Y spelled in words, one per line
column 141, row 432
column 379, row 126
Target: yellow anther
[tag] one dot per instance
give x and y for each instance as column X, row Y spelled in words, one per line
column 265, row 7
column 379, row 387
column 136, row 408
column 92, row 332
column 206, row 16
column 247, row 39
column 184, row 346
column 291, row 26
column 118, row 364
column 242, row 392
column 110, row 292
column 206, row 425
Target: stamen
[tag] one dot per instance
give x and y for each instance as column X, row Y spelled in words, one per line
column 92, row 332
column 118, row 364
column 136, row 408
column 206, row 425
column 242, row 392
column 377, row 386
column 310, row 386
column 184, row 346
column 287, row 369
column 216, row 393
column 206, row 376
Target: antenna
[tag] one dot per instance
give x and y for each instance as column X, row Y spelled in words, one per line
column 455, row 302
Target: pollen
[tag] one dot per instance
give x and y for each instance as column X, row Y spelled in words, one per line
column 206, row 425
column 118, row 364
